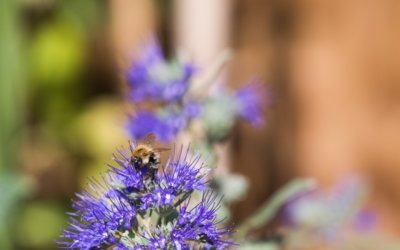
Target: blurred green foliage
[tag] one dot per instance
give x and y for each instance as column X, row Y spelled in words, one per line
column 11, row 113
column 100, row 129
column 11, row 83
column 44, row 215
column 12, row 188
column 57, row 57
column 269, row 209
column 44, row 47
column 56, row 54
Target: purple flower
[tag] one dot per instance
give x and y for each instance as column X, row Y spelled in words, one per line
column 250, row 100
column 192, row 109
column 365, row 220
column 154, row 78
column 144, row 123
column 184, row 175
column 116, row 212
column 98, row 218
column 165, row 127
column 331, row 215
column 194, row 228
column 199, row 223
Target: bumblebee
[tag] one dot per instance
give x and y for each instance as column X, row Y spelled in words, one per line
column 145, row 155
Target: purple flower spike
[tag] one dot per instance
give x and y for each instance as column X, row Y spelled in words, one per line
column 99, row 216
column 144, row 123
column 366, row 220
column 152, row 77
column 139, row 205
column 184, row 174
column 250, row 100
column 195, row 228
column 165, row 127
column 199, row 223
column 192, row 109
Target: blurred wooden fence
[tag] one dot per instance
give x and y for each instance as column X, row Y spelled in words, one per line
column 334, row 71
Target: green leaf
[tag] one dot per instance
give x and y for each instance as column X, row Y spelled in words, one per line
column 172, row 216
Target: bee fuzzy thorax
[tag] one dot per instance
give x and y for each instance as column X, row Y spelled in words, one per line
column 145, row 155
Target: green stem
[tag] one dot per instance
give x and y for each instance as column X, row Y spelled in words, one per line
column 269, row 209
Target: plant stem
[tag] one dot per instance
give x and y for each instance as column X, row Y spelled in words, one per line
column 270, row 207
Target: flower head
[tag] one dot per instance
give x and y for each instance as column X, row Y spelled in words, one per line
column 332, row 214
column 154, row 78
column 100, row 215
column 138, row 206
column 194, row 228
column 165, row 84
column 164, row 126
column 249, row 102
column 198, row 223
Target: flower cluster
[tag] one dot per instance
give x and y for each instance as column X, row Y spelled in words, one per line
column 165, row 125
column 249, row 103
column 140, row 204
column 154, row 79
column 332, row 217
column 221, row 110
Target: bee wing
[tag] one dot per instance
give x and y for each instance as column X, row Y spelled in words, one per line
column 149, row 139
column 159, row 150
